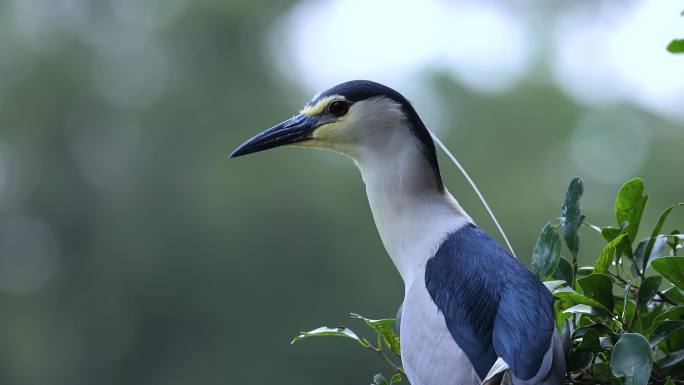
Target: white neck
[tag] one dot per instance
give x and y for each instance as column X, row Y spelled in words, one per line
column 412, row 215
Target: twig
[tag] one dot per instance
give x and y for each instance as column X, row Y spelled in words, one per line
column 389, row 362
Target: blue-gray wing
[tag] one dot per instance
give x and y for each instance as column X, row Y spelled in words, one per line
column 492, row 305
column 524, row 323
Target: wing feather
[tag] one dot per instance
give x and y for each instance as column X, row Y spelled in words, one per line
column 492, row 305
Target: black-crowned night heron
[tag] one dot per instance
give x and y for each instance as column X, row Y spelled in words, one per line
column 471, row 310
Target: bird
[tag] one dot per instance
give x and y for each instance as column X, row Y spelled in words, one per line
column 472, row 312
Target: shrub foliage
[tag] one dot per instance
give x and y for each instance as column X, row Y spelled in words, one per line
column 621, row 319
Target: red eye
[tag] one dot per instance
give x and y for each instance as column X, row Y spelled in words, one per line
column 338, row 108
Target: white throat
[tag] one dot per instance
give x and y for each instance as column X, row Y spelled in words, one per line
column 412, row 215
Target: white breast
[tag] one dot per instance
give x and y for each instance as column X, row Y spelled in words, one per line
column 430, row 355
column 412, row 216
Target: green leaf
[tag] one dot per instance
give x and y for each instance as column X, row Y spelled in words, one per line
column 609, row 233
column 567, row 294
column 648, row 289
column 673, row 313
column 630, row 204
column 580, row 309
column 632, row 358
column 675, row 341
column 672, row 268
column 674, row 295
column 599, row 327
column 395, row 379
column 676, row 46
column 379, row 379
column 640, row 258
column 571, row 215
column 664, row 330
column 644, row 323
column 654, row 234
column 598, row 287
column 579, row 360
column 673, row 241
column 334, row 332
column 590, row 341
column 553, row 285
column 670, row 360
column 593, row 227
column 607, row 255
column 546, row 253
column 385, row 329
column 564, row 270
column 602, row 374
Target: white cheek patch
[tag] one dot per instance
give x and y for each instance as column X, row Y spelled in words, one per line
column 324, row 131
column 319, row 107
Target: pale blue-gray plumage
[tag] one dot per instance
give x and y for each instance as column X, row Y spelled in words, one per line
column 471, row 310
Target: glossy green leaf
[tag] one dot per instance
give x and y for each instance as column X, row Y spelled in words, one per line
column 632, row 358
column 630, row 204
column 395, row 379
column 670, row 360
column 553, row 285
column 567, row 294
column 598, row 287
column 607, row 255
column 593, row 227
column 674, row 295
column 564, row 270
column 672, row 268
column 601, row 329
column 656, row 230
column 384, row 328
column 334, row 332
column 664, row 330
column 580, row 309
column 546, row 253
column 571, row 215
column 648, row 289
column 657, row 250
column 676, row 46
column 590, row 341
column 561, row 316
column 379, row 379
column 675, row 341
column 609, row 233
column 673, row 313
column 644, row 323
column 601, row 373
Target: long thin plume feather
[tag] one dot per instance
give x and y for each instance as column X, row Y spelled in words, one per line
column 477, row 191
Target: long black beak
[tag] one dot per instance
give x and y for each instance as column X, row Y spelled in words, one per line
column 294, row 130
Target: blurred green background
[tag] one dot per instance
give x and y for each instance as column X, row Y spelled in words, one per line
column 133, row 252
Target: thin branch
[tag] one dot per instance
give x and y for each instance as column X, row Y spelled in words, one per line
column 389, row 362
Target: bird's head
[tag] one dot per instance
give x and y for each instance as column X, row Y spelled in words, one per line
column 356, row 118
